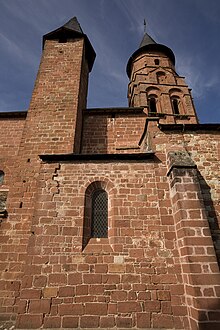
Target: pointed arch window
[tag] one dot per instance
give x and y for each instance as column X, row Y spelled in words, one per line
column 99, row 221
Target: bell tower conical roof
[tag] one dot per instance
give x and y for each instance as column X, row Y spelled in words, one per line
column 72, row 29
column 147, row 40
column 149, row 45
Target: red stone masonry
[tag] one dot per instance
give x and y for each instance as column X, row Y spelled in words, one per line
column 113, row 130
column 11, row 129
column 158, row 265
column 198, row 259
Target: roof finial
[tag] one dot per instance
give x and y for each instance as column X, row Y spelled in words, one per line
column 145, row 26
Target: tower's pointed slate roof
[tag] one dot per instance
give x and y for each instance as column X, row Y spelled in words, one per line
column 72, row 29
column 73, row 25
column 147, row 45
column 147, row 40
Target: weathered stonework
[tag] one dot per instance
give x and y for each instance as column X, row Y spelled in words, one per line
column 158, row 267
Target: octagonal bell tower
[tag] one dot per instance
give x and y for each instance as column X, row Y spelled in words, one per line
column 156, row 86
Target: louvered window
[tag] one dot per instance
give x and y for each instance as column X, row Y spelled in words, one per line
column 99, row 225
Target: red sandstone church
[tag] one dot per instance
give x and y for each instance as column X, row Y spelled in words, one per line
column 109, row 217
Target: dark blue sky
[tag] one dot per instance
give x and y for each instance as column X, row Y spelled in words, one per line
column 115, row 28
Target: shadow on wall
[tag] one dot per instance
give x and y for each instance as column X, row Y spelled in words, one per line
column 209, row 319
column 211, row 215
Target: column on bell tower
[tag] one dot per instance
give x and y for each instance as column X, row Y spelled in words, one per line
column 156, row 86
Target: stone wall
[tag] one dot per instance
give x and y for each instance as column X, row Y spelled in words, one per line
column 11, row 129
column 130, row 279
column 158, row 266
column 113, row 131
